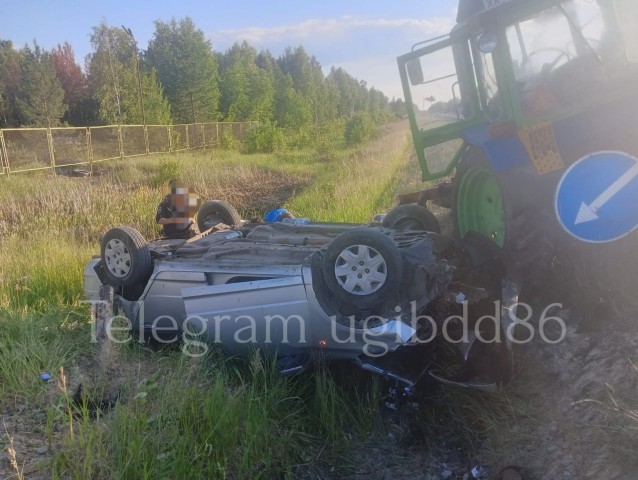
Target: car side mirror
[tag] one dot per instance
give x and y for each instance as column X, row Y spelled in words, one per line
column 415, row 73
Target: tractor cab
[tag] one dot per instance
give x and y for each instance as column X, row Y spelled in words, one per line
column 509, row 66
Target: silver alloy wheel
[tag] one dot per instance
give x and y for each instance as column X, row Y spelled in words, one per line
column 361, row 270
column 117, row 258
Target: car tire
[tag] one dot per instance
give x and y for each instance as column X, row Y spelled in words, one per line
column 363, row 268
column 215, row 212
column 411, row 217
column 125, row 256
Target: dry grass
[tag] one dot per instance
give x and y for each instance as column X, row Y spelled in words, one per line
column 50, row 226
column 177, row 417
column 129, row 193
column 13, row 462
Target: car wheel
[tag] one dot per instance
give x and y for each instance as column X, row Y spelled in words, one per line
column 411, row 217
column 126, row 257
column 215, row 212
column 363, row 268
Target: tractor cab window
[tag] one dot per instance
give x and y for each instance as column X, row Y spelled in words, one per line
column 491, row 102
column 442, row 99
column 442, row 86
column 565, row 55
column 627, row 13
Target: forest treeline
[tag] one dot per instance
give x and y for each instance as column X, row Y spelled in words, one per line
column 183, row 80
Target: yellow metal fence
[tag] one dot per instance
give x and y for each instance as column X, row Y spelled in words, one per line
column 29, row 149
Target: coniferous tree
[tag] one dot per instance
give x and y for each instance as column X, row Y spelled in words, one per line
column 179, row 68
column 187, row 69
column 40, row 98
column 81, row 108
column 10, row 79
column 292, row 109
column 307, row 77
column 234, row 78
column 247, row 90
column 113, row 80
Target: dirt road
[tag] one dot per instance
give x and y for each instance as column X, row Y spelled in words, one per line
column 571, row 410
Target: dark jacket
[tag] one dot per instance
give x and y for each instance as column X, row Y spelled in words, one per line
column 165, row 210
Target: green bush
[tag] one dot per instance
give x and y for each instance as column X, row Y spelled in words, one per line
column 358, row 129
column 264, row 138
column 228, row 141
column 299, row 138
column 167, row 170
column 328, row 139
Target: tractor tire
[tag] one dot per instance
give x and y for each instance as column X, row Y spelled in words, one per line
column 362, row 268
column 411, row 217
column 507, row 210
column 214, row 212
column 126, row 257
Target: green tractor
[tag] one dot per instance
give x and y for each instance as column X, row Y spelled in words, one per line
column 531, row 107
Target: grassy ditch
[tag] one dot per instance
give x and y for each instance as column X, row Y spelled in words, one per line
column 177, row 417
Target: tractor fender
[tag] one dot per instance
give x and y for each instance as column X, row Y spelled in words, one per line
column 504, row 152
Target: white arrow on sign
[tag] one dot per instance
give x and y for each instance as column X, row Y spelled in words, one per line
column 589, row 213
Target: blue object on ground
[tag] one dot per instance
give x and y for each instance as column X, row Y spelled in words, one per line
column 276, row 215
column 45, row 376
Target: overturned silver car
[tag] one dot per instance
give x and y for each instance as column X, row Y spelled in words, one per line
column 371, row 294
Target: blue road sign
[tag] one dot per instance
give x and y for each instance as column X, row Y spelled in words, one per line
column 597, row 198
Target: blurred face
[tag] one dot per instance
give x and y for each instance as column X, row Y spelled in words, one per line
column 185, row 201
column 179, row 201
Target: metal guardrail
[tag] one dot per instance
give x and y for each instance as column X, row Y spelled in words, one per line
column 31, row 149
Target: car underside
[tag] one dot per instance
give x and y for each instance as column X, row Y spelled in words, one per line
column 374, row 295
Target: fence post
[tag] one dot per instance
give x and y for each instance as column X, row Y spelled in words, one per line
column 146, row 139
column 51, row 152
column 120, row 141
column 188, row 143
column 5, row 157
column 204, row 135
column 170, row 138
column 89, row 149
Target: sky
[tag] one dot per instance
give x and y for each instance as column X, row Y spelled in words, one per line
column 362, row 36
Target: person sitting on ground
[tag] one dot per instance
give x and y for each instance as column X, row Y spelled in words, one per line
column 176, row 212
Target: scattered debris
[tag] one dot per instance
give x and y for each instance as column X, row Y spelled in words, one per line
column 479, row 472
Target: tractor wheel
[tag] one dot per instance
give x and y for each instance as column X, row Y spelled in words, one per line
column 507, row 210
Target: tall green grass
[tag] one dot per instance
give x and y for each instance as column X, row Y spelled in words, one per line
column 176, row 417
column 51, row 226
column 215, row 418
column 354, row 191
column 32, row 343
